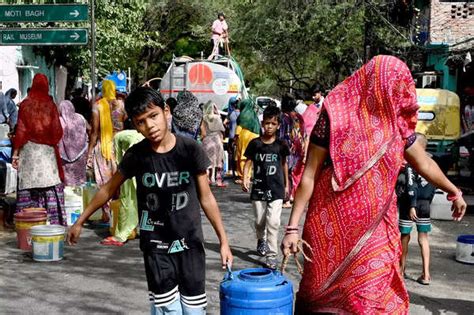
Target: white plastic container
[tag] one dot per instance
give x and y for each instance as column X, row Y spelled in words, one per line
column 465, row 249
column 10, row 179
column 73, row 203
column 88, row 192
column 441, row 207
column 47, row 242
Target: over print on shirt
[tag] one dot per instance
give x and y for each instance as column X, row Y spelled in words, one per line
column 168, row 204
column 269, row 181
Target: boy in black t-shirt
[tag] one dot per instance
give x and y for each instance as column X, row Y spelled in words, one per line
column 270, row 184
column 172, row 185
column 414, row 201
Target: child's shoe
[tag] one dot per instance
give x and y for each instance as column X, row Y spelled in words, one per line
column 262, row 247
column 271, row 263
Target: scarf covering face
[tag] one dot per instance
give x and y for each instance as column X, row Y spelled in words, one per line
column 187, row 115
column 74, row 142
column 106, row 127
column 231, row 105
column 248, row 117
column 38, row 119
column 11, row 108
column 367, row 112
column 212, row 117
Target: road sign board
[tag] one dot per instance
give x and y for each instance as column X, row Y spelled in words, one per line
column 43, row 36
column 43, row 13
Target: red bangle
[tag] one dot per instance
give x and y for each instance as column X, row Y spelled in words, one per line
column 454, row 197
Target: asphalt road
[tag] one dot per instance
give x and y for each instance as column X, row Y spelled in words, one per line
column 94, row 279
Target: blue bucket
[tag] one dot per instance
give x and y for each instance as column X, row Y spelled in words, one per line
column 256, row 291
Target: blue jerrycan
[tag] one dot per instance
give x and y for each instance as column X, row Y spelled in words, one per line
column 256, row 291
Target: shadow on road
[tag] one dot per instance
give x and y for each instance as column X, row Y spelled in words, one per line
column 439, row 306
column 240, row 252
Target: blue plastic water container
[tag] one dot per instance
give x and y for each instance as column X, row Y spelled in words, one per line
column 256, row 291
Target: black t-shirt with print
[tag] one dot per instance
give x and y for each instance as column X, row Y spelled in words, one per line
column 269, row 180
column 168, row 203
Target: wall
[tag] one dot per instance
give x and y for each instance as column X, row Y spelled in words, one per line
column 451, row 22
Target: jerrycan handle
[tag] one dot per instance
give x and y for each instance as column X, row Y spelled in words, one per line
column 228, row 275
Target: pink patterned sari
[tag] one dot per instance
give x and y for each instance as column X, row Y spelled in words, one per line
column 351, row 222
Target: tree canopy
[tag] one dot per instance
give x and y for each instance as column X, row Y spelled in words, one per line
column 280, row 45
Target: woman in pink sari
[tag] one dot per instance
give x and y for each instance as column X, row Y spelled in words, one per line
column 73, row 145
column 365, row 130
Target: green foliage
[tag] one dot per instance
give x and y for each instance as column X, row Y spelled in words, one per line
column 279, row 44
column 299, row 44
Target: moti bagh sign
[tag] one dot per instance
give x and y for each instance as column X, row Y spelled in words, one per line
column 51, row 36
column 44, row 13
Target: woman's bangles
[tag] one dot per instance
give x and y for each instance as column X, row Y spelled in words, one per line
column 292, row 229
column 454, row 197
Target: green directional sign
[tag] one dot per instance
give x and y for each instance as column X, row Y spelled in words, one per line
column 44, row 13
column 45, row 36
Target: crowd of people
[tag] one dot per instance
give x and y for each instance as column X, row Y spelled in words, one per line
column 337, row 159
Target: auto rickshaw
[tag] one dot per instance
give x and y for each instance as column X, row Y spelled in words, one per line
column 439, row 120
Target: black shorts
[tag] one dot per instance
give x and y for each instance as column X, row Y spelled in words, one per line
column 423, row 223
column 182, row 274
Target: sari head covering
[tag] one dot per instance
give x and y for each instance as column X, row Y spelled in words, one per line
column 187, row 115
column 212, row 117
column 74, row 141
column 248, row 117
column 11, row 108
column 38, row 119
column 351, row 222
column 106, row 127
column 232, row 105
column 368, row 111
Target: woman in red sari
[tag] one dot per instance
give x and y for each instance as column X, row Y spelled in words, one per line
column 36, row 153
column 357, row 147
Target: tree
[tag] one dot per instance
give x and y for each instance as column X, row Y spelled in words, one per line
column 302, row 43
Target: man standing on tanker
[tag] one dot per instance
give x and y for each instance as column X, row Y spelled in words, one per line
column 219, row 34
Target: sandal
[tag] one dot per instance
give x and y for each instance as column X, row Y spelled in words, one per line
column 221, row 185
column 423, row 281
column 111, row 241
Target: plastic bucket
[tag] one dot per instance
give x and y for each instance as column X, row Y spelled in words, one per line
column 33, row 210
column 48, row 242
column 465, row 249
column 23, row 223
column 73, row 211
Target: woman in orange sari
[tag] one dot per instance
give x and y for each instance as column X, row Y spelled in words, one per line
column 357, row 147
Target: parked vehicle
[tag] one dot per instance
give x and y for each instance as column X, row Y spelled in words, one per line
column 439, row 119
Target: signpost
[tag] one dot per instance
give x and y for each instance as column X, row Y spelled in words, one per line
column 44, row 13
column 43, row 36
column 34, row 13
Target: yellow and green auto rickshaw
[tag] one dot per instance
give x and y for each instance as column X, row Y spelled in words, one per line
column 439, row 120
